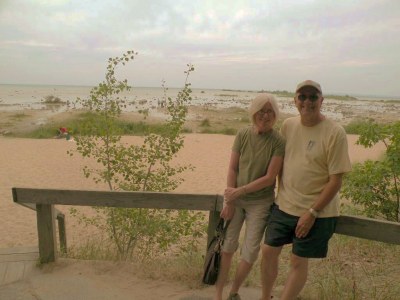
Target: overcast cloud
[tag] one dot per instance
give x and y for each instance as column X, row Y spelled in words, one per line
column 348, row 46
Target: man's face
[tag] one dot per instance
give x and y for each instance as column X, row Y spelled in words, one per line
column 308, row 101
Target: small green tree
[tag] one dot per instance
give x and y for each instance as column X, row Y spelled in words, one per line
column 145, row 167
column 375, row 184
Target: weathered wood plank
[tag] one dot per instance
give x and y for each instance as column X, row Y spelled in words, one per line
column 62, row 233
column 46, row 232
column 29, row 267
column 3, row 271
column 116, row 199
column 44, row 199
column 14, row 272
column 19, row 254
column 220, row 203
column 33, row 256
column 367, row 228
column 17, row 250
column 33, row 207
column 16, row 263
column 61, row 224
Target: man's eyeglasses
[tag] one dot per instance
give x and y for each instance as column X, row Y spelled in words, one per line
column 312, row 97
column 263, row 112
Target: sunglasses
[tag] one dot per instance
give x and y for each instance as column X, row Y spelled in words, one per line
column 312, row 97
column 263, row 112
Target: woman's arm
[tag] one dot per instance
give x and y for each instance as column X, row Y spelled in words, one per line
column 233, row 169
column 269, row 178
column 228, row 208
column 275, row 165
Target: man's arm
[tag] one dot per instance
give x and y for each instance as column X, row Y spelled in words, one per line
column 330, row 190
column 307, row 220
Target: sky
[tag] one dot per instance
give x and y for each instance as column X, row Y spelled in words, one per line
column 348, row 46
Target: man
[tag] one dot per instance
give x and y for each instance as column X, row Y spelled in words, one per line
column 307, row 204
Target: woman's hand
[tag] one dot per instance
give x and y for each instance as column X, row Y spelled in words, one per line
column 231, row 194
column 228, row 211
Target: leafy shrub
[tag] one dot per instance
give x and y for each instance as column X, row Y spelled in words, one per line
column 51, row 99
column 205, row 123
column 375, row 185
column 146, row 167
column 356, row 125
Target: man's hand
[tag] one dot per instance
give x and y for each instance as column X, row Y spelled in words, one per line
column 306, row 221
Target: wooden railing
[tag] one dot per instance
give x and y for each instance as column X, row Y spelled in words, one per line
column 60, row 217
column 43, row 201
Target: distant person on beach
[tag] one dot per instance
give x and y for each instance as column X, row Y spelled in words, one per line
column 307, row 203
column 256, row 159
column 64, row 133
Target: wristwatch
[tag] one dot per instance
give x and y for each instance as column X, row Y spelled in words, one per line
column 313, row 212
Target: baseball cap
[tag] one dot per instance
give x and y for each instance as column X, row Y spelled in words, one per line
column 309, row 83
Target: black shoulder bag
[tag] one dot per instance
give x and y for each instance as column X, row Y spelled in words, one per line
column 213, row 257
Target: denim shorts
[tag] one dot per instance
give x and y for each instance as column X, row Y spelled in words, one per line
column 281, row 230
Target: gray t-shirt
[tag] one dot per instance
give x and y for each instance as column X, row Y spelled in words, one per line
column 256, row 151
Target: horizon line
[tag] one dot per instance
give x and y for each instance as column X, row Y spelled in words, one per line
column 387, row 97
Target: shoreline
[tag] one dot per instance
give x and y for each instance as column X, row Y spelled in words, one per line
column 23, row 108
column 17, row 122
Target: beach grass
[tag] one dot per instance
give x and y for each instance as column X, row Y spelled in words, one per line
column 19, row 116
column 354, row 268
column 205, row 123
column 203, row 119
column 51, row 99
column 76, row 124
column 355, row 125
column 212, row 124
column 224, row 130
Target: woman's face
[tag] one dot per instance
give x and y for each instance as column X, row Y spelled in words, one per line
column 264, row 119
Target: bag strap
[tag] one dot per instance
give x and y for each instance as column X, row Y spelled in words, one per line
column 222, row 227
column 226, row 226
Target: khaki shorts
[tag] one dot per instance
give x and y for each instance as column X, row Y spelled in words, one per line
column 255, row 214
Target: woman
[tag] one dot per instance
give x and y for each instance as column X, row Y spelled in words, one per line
column 256, row 160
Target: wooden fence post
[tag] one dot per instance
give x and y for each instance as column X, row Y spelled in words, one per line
column 213, row 219
column 46, row 232
column 62, row 232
